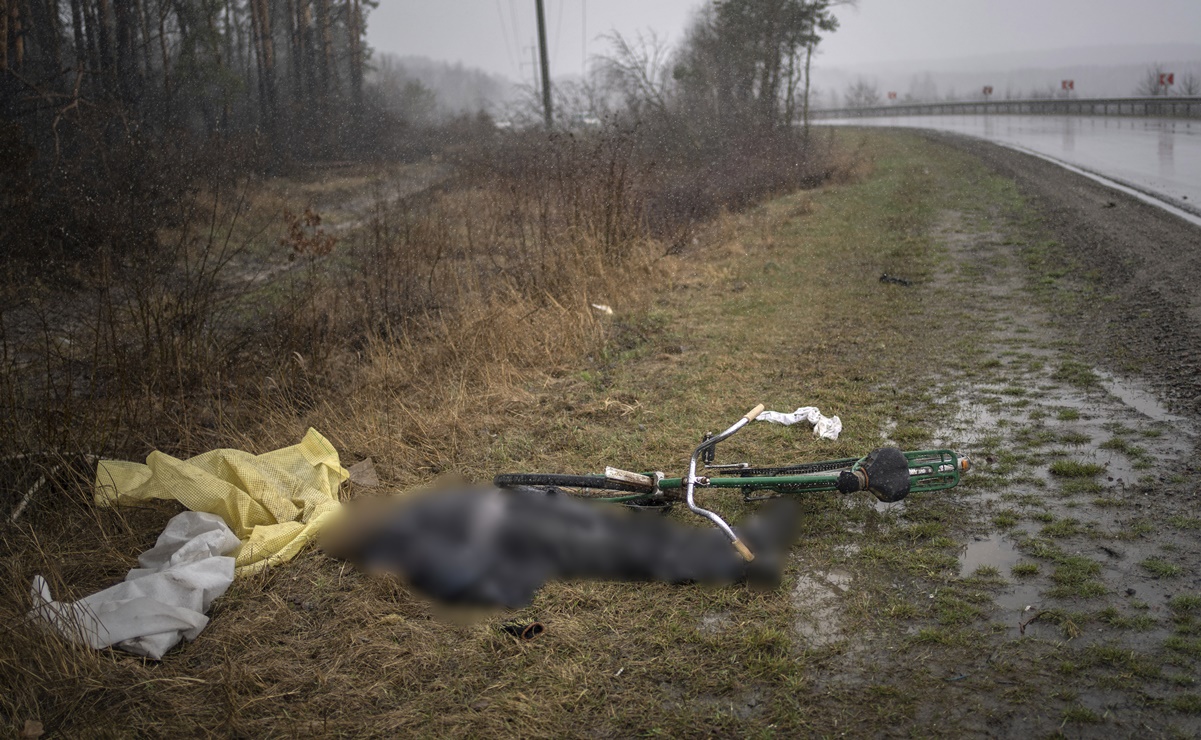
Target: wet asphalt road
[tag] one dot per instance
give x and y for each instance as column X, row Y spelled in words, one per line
column 1156, row 157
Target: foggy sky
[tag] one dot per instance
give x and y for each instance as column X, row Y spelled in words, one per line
column 497, row 35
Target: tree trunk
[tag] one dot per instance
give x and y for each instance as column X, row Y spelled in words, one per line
column 293, row 50
column 44, row 22
column 104, row 21
column 304, row 48
column 90, row 30
column 126, row 56
column 790, row 90
column 805, row 113
column 18, row 25
column 162, row 46
column 77, row 30
column 266, row 53
column 327, row 47
column 147, row 57
column 5, row 13
column 354, row 24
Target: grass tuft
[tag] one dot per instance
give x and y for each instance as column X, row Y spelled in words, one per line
column 1160, row 568
column 1075, row 469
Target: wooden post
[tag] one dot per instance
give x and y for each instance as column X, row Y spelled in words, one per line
column 545, row 63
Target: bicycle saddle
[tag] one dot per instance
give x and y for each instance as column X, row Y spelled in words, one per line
column 884, row 472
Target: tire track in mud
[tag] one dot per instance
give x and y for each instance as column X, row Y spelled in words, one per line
column 1093, row 564
column 1146, row 262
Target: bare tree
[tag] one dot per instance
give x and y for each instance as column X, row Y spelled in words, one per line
column 637, row 70
column 923, row 89
column 1150, row 85
column 1190, row 84
column 862, row 94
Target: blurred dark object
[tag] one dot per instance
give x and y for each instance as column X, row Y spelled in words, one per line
column 523, row 630
column 485, row 546
column 886, row 278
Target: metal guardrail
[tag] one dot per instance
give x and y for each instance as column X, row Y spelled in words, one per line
column 1154, row 107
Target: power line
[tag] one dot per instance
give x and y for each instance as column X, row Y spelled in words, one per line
column 558, row 27
column 505, row 33
column 517, row 35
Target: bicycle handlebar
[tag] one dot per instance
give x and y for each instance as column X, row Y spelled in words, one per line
column 693, row 479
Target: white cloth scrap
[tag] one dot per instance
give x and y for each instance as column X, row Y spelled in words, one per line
column 159, row 603
column 826, row 427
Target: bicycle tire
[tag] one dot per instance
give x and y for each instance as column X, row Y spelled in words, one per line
column 538, row 480
column 632, row 496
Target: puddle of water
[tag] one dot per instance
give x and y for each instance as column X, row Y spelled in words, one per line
column 995, row 550
column 1019, row 599
column 816, row 598
column 887, row 507
column 1136, row 397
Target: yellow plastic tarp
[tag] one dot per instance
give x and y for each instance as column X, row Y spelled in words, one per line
column 275, row 502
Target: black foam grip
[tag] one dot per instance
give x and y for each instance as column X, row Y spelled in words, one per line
column 848, row 482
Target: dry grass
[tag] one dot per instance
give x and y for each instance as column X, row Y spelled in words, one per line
column 439, row 322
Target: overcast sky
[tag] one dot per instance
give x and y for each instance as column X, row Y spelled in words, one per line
column 497, row 35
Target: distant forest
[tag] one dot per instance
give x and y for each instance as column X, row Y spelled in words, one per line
column 113, row 111
column 292, row 70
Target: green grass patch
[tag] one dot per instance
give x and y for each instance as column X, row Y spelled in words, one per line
column 1076, row 575
column 1073, row 438
column 1160, row 568
column 1184, row 646
column 1075, row 469
column 1081, row 715
column 1185, row 603
column 1185, row 703
column 1122, row 659
column 1075, row 373
column 1005, row 519
column 1137, row 623
column 1025, row 569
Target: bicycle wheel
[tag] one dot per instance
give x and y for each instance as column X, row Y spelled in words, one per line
column 584, row 486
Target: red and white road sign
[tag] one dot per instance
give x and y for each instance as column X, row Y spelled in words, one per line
column 892, row 95
column 988, row 89
column 1068, row 84
column 1167, row 78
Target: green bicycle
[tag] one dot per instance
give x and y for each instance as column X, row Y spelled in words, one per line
column 887, row 472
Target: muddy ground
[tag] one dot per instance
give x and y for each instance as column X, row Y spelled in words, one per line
column 1147, row 261
column 1080, row 406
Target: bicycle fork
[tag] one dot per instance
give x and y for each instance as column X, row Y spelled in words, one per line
column 695, row 480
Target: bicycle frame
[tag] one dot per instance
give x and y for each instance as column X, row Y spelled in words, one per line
column 928, row 470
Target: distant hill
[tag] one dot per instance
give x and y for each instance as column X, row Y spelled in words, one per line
column 1098, row 71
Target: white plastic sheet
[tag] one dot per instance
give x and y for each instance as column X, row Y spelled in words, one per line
column 826, row 427
column 158, row 604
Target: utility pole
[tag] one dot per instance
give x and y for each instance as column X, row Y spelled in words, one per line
column 545, row 63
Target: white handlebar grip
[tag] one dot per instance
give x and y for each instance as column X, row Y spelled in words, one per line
column 750, row 415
